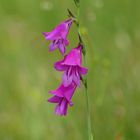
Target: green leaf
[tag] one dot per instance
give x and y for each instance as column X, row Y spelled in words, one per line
column 84, row 51
column 80, row 39
column 71, row 14
column 84, row 81
column 77, row 3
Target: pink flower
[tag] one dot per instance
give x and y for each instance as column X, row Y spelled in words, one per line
column 62, row 97
column 71, row 65
column 58, row 36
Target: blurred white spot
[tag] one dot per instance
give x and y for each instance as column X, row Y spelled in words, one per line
column 123, row 41
column 46, row 5
column 98, row 4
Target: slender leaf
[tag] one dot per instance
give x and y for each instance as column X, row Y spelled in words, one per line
column 70, row 13
column 77, row 3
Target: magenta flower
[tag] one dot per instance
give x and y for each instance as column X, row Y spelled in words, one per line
column 71, row 65
column 58, row 36
column 62, row 97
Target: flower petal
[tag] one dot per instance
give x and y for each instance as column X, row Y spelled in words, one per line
column 54, row 99
column 71, row 103
column 66, row 80
column 62, row 97
column 58, row 92
column 58, row 66
column 82, row 70
column 64, row 106
column 69, row 91
column 52, row 46
column 61, row 108
column 49, row 36
column 76, row 77
column 73, row 58
column 62, row 48
column 66, row 42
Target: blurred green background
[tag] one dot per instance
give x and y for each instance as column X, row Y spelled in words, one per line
column 111, row 29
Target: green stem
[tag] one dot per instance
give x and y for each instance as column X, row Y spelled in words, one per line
column 90, row 135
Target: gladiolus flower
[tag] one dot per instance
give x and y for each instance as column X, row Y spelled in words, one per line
column 62, row 97
column 58, row 36
column 71, row 65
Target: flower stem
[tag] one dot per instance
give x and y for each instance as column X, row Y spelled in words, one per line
column 88, row 116
column 90, row 134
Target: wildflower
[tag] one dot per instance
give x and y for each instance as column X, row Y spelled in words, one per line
column 71, row 65
column 62, row 97
column 58, row 36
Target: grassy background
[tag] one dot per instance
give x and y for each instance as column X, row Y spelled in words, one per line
column 111, row 29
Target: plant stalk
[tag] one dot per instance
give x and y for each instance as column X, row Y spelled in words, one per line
column 90, row 134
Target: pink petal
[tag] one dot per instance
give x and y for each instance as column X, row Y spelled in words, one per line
column 58, row 66
column 83, row 70
column 73, row 58
column 54, row 99
column 69, row 91
column 76, row 78
column 61, row 108
column 66, row 42
column 64, row 106
column 62, row 48
column 66, row 80
column 57, row 92
column 52, row 46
